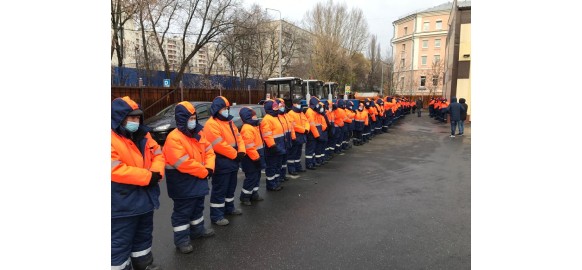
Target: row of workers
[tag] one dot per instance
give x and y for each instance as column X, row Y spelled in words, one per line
column 194, row 154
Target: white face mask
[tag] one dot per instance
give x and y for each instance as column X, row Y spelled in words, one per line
column 321, row 110
column 191, row 124
column 298, row 106
column 282, row 109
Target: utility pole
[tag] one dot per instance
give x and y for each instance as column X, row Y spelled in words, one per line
column 280, row 40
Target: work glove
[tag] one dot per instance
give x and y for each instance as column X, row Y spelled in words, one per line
column 239, row 156
column 272, row 149
column 156, row 176
column 210, row 173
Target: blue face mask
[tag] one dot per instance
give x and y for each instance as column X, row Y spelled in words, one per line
column 131, row 126
column 224, row 113
column 298, row 106
column 282, row 109
column 191, row 124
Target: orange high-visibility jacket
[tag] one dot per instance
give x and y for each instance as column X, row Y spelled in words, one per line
column 189, row 155
column 300, row 122
column 362, row 116
column 272, row 131
column 312, row 117
column 339, row 116
column 253, row 141
column 224, row 137
column 128, row 166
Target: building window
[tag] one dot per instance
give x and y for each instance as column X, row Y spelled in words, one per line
column 437, row 43
column 435, row 80
column 422, row 81
column 405, row 30
column 437, row 58
column 439, row 25
column 425, row 43
column 426, row 26
column 403, row 47
column 402, row 83
column 402, row 63
column 423, row 60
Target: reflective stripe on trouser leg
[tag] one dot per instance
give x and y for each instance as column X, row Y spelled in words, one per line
column 183, row 209
column 319, row 151
column 122, row 234
column 217, row 195
column 251, row 183
column 297, row 157
column 283, row 170
column 310, row 147
column 231, row 188
column 272, row 170
column 197, row 218
column 291, row 157
column 141, row 254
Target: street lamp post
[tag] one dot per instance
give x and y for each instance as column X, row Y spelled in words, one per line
column 280, row 40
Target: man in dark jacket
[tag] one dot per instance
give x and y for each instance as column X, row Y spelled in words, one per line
column 454, row 109
column 418, row 106
column 463, row 116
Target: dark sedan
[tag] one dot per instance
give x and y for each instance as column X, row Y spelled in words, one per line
column 164, row 121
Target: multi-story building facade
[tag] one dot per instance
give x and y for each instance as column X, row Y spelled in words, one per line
column 418, row 47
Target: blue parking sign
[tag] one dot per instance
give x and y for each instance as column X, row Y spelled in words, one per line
column 166, row 82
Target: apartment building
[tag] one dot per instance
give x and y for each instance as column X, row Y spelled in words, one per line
column 458, row 54
column 418, row 47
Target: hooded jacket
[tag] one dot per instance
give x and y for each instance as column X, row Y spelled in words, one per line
column 454, row 109
column 251, row 135
column 311, row 114
column 188, row 156
column 466, row 107
column 134, row 156
column 300, row 124
column 224, row 137
column 272, row 130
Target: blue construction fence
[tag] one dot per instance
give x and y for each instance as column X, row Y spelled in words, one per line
column 126, row 76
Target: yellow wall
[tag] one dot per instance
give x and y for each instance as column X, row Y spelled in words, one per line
column 465, row 42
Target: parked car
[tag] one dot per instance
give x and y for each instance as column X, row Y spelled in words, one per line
column 164, row 121
column 235, row 111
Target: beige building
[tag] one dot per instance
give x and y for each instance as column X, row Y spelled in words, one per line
column 418, row 47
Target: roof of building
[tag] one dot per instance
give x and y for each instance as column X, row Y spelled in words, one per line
column 443, row 6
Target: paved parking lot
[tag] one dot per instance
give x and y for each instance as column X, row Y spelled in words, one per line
column 401, row 201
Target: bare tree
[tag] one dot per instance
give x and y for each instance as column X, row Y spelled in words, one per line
column 434, row 76
column 121, row 12
column 198, row 22
column 339, row 35
column 375, row 57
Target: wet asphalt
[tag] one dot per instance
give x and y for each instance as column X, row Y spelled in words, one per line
column 401, row 201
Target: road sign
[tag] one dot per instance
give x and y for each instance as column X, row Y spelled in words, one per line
column 348, row 89
column 166, row 82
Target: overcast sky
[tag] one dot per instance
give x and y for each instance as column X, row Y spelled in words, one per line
column 379, row 13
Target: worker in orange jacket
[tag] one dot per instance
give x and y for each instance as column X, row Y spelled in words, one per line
column 273, row 135
column 314, row 136
column 137, row 165
column 290, row 136
column 190, row 164
column 368, row 129
column 333, row 129
column 339, row 116
column 321, row 118
column 229, row 148
column 254, row 161
column 301, row 128
column 361, row 121
column 350, row 123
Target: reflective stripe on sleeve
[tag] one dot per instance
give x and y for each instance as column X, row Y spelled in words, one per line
column 181, row 228
column 122, row 266
column 141, row 253
column 260, row 147
column 278, row 136
column 233, row 144
column 208, row 148
column 219, row 139
column 115, row 163
column 168, row 166
column 198, row 221
column 250, row 145
column 267, row 133
column 158, row 152
column 181, row 160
